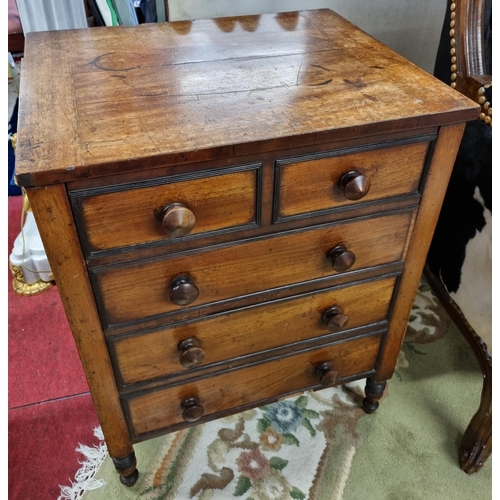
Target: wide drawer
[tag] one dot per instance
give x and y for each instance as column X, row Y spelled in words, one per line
column 251, row 330
column 305, row 186
column 164, row 210
column 136, row 291
column 168, row 407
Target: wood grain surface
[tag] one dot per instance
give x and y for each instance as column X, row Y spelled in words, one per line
column 178, row 96
column 162, row 408
column 309, row 186
column 433, row 194
column 52, row 211
column 125, row 215
column 140, row 290
column 250, row 330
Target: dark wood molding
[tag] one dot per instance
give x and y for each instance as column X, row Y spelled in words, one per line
column 281, row 163
column 208, row 418
column 180, row 377
column 284, row 292
column 470, row 49
column 77, row 195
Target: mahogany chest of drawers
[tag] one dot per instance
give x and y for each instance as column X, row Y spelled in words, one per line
column 234, row 210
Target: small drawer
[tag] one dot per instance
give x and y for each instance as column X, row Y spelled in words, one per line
column 250, row 330
column 158, row 287
column 339, row 179
column 164, row 210
column 199, row 400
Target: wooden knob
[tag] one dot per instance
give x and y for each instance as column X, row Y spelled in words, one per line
column 177, row 220
column 355, row 185
column 327, row 375
column 192, row 409
column 341, row 258
column 183, row 291
column 335, row 319
column 191, row 353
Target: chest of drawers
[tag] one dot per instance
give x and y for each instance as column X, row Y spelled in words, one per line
column 234, row 211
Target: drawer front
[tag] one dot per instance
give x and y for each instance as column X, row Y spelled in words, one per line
column 161, row 409
column 168, row 209
column 250, row 330
column 131, row 292
column 306, row 186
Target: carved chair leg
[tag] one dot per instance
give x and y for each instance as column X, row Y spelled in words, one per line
column 373, row 393
column 126, row 467
column 476, row 443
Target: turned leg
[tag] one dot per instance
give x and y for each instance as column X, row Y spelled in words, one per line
column 126, row 467
column 373, row 393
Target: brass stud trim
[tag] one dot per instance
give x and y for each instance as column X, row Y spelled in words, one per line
column 486, row 112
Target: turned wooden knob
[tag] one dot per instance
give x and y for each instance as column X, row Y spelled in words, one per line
column 355, row 185
column 335, row 319
column 327, row 375
column 191, row 353
column 192, row 409
column 177, row 220
column 341, row 258
column 183, row 291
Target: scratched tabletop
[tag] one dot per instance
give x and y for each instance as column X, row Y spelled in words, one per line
column 125, row 98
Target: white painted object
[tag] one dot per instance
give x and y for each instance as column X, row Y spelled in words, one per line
column 29, row 254
column 474, row 295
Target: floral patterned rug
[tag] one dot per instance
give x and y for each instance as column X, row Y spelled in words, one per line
column 302, row 447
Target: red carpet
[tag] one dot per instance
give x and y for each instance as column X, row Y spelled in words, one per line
column 50, row 409
column 43, row 362
column 42, row 442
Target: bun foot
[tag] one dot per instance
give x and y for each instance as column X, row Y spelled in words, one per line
column 373, row 393
column 126, row 467
column 129, row 480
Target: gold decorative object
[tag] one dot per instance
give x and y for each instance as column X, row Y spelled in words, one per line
column 22, row 288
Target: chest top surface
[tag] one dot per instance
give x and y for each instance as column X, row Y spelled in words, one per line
column 108, row 100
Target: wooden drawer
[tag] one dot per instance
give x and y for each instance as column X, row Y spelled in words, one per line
column 161, row 409
column 129, row 215
column 305, row 186
column 250, row 330
column 135, row 291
